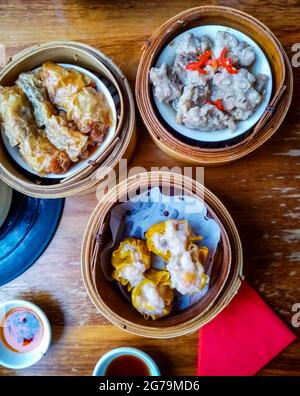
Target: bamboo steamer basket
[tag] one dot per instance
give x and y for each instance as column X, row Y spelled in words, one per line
column 122, row 146
column 226, row 277
column 228, row 151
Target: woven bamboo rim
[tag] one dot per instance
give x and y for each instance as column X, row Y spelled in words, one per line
column 122, row 145
column 103, row 294
column 266, row 126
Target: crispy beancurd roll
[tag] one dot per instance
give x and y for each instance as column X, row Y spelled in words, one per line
column 43, row 156
column 153, row 297
column 169, row 238
column 130, row 260
column 187, row 271
column 61, row 83
column 56, row 127
column 15, row 112
column 75, row 93
column 19, row 125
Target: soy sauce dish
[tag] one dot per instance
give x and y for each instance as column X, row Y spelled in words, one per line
column 25, row 334
column 126, row 362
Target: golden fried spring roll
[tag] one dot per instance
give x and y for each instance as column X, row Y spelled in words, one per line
column 43, row 156
column 14, row 113
column 19, row 125
column 56, row 127
column 61, row 83
column 76, row 95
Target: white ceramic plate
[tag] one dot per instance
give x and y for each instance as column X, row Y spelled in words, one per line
column 5, row 201
column 16, row 360
column 14, row 151
column 261, row 65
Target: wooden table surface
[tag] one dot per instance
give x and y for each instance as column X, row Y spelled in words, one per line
column 261, row 191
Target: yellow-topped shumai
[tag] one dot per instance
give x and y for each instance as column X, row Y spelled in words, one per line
column 187, row 270
column 130, row 260
column 153, row 297
column 170, row 238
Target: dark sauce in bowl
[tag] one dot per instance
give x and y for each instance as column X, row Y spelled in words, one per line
column 127, row 365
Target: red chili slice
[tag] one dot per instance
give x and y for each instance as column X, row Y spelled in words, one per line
column 227, row 63
column 202, row 61
column 218, row 103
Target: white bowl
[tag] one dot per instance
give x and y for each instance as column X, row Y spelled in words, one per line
column 101, row 87
column 5, row 201
column 16, row 360
column 106, row 359
column 261, row 65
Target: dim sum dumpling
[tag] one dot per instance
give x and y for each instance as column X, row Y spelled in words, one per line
column 169, row 238
column 41, row 155
column 55, row 126
column 187, row 271
column 76, row 94
column 130, row 260
column 15, row 113
column 153, row 297
column 20, row 128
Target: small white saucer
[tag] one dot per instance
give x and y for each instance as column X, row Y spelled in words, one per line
column 16, row 360
column 101, row 87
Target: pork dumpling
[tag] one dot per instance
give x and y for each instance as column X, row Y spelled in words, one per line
column 130, row 260
column 153, row 297
column 187, row 271
column 169, row 238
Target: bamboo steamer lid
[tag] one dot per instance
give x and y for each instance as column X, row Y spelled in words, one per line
column 122, row 145
column 227, row 269
column 224, row 152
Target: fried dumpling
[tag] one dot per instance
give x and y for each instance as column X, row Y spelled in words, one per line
column 187, row 271
column 169, row 238
column 130, row 260
column 61, row 83
column 15, row 113
column 20, row 128
column 41, row 155
column 75, row 93
column 153, row 297
column 56, row 127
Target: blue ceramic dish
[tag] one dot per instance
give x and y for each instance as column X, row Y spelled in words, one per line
column 29, row 227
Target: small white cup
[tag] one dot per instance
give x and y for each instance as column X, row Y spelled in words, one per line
column 106, row 359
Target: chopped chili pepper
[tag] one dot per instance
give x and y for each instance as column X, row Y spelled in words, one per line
column 201, row 61
column 215, row 63
column 218, row 103
column 227, row 63
column 204, row 60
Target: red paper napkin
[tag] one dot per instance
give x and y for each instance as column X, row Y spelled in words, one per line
column 242, row 338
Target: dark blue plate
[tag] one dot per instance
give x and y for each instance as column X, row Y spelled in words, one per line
column 28, row 229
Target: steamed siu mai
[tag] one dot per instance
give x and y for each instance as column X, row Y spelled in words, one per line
column 130, row 260
column 187, row 270
column 169, row 238
column 153, row 297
